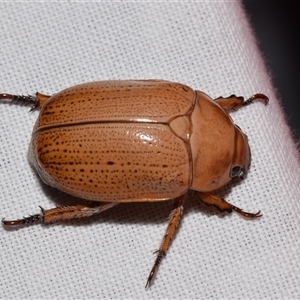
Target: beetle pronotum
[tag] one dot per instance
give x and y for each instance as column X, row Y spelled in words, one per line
column 135, row 141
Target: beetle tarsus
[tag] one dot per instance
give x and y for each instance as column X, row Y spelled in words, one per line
column 153, row 271
column 223, row 205
column 260, row 97
column 246, row 214
column 234, row 102
column 24, row 221
column 21, row 100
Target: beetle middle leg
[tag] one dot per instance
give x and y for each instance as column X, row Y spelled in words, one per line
column 223, row 205
column 62, row 213
column 174, row 219
column 233, row 102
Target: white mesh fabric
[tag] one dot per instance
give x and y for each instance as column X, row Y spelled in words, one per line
column 207, row 45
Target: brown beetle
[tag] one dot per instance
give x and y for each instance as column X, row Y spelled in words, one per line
column 135, row 141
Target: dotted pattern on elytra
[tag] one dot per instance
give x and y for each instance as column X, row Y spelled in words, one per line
column 117, row 100
column 113, row 162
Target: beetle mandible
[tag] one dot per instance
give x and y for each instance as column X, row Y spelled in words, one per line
column 135, row 141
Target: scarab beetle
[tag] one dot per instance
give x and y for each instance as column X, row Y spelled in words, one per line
column 135, row 141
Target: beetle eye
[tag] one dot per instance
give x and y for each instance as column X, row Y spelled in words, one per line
column 236, row 171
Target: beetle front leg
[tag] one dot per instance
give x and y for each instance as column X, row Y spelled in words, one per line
column 61, row 213
column 223, row 205
column 233, row 102
column 174, row 219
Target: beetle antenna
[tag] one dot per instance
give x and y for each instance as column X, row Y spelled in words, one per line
column 21, row 100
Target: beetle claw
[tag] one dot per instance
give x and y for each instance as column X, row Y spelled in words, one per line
column 153, row 271
column 246, row 214
column 260, row 97
column 24, row 221
column 151, row 276
column 21, row 100
column 6, row 97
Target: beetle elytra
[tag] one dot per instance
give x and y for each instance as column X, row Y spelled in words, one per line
column 135, row 141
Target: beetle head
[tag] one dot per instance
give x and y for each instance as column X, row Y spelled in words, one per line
column 242, row 155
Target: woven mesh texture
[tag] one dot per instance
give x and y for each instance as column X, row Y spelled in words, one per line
column 209, row 46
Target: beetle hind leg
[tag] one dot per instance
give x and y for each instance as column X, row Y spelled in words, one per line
column 233, row 102
column 174, row 219
column 61, row 213
column 35, row 102
column 223, row 205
